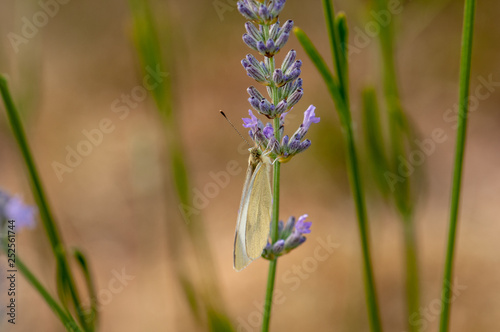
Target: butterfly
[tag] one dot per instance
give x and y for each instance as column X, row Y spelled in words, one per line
column 254, row 215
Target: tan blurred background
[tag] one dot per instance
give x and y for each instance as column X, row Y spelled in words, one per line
column 67, row 76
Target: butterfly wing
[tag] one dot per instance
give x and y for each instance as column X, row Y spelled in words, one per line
column 259, row 211
column 241, row 259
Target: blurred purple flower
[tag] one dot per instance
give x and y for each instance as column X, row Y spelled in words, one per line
column 13, row 208
column 303, row 227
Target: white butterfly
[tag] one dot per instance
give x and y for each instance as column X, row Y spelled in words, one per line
column 254, row 215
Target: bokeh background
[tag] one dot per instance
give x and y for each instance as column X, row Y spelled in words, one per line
column 118, row 205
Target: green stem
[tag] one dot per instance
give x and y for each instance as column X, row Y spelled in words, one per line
column 359, row 200
column 344, row 112
column 274, row 233
column 62, row 314
column 48, row 221
column 412, row 275
column 402, row 193
column 465, row 65
column 338, row 51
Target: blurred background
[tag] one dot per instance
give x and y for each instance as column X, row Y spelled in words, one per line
column 71, row 75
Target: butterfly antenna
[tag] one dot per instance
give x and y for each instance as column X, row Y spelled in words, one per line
column 224, row 115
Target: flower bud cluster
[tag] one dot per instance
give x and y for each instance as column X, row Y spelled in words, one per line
column 290, row 236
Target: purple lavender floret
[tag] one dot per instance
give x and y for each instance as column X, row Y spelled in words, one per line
column 309, row 118
column 303, row 227
column 258, row 132
column 251, row 122
column 13, row 208
column 268, row 131
column 290, row 236
column 290, row 146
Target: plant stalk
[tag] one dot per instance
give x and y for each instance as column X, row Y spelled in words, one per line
column 48, row 221
column 271, row 277
column 465, row 66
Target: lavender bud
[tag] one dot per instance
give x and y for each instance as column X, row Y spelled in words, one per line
column 298, row 84
column 266, row 107
column 252, row 91
column 295, row 97
column 282, row 107
column 289, row 59
column 304, row 145
column 246, row 11
column 264, row 13
column 256, row 75
column 278, row 247
column 294, row 144
column 288, row 228
column 261, row 47
column 245, row 63
column 270, row 47
column 294, row 74
column 287, row 89
column 278, row 78
column 281, row 41
column 254, row 62
column 284, row 142
column 250, row 41
column 255, row 103
column 296, row 65
column 274, row 31
column 277, row 7
column 287, row 27
column 253, row 31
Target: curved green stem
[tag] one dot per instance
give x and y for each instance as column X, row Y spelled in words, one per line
column 48, row 221
column 62, row 314
column 337, row 87
column 465, row 65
